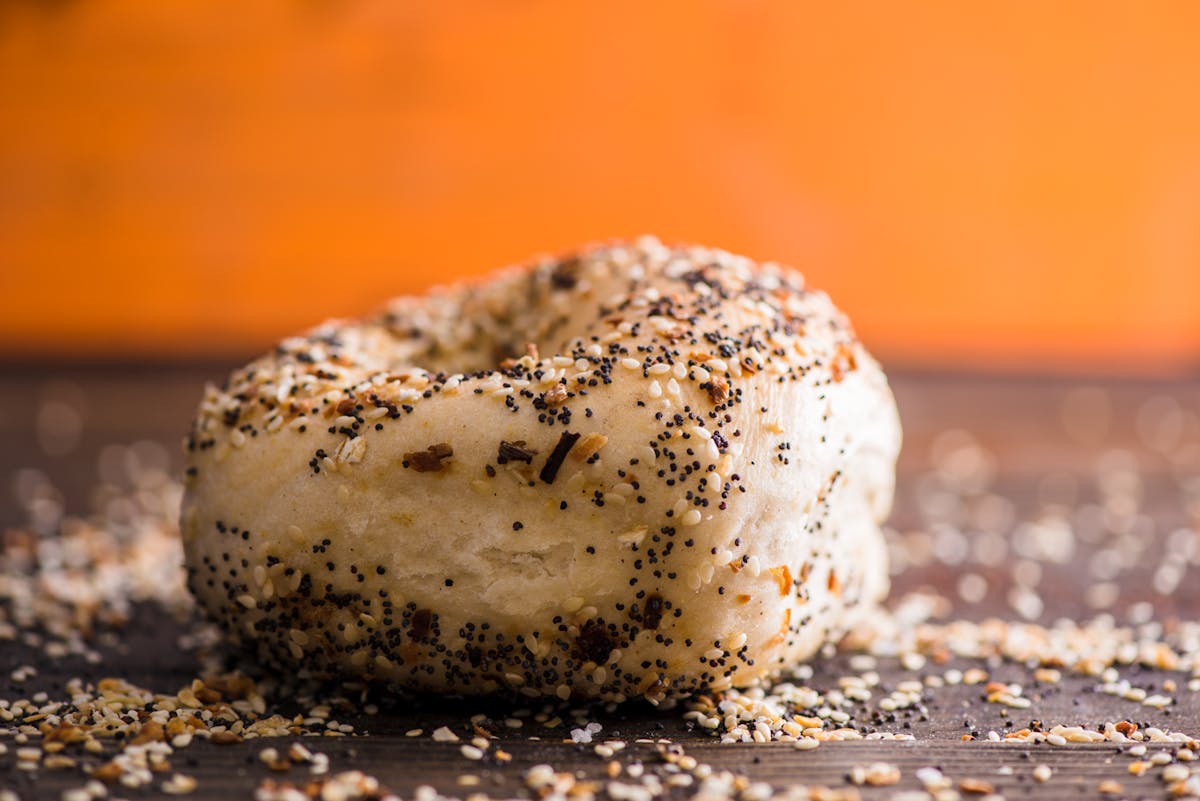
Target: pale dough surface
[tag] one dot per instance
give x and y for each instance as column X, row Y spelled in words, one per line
column 637, row 471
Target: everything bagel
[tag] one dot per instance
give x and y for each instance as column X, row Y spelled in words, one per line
column 637, row 471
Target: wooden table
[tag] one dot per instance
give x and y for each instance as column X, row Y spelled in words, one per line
column 1018, row 448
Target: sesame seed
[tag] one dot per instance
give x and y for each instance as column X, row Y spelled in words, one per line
column 443, row 734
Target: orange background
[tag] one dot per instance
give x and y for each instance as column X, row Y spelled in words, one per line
column 996, row 184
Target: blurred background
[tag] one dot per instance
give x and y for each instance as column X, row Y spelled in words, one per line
column 991, row 185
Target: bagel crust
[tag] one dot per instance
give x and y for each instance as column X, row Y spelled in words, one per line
column 637, row 471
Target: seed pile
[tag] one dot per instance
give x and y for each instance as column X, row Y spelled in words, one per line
column 62, row 577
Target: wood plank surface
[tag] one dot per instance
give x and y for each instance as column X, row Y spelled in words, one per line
column 1027, row 500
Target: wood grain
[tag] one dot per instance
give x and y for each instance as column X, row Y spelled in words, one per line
column 1018, row 422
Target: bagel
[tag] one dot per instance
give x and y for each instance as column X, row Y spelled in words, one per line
column 637, row 471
